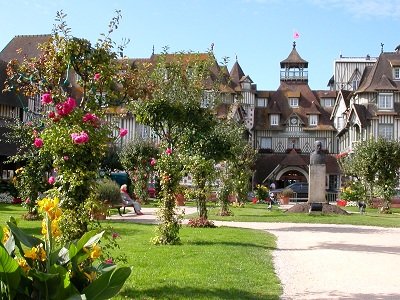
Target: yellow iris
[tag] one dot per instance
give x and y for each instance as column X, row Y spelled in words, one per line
column 95, row 251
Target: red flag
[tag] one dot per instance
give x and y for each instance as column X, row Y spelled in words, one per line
column 296, row 35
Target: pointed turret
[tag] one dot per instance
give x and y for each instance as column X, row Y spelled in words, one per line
column 294, row 68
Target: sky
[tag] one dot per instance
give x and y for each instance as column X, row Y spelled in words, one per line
column 258, row 33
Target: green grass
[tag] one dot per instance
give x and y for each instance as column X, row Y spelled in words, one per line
column 259, row 213
column 211, row 263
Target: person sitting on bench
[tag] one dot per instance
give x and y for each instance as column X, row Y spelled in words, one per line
column 128, row 201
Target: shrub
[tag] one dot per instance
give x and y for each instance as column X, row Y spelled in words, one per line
column 201, row 222
column 108, row 190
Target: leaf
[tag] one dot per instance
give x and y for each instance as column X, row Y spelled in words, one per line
column 10, row 273
column 88, row 239
column 107, row 285
column 27, row 240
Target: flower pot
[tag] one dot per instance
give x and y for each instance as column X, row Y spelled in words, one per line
column 285, row 200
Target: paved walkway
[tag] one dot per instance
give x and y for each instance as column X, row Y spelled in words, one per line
column 324, row 261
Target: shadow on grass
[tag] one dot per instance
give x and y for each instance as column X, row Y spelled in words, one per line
column 234, row 244
column 175, row 292
column 357, row 248
column 332, row 229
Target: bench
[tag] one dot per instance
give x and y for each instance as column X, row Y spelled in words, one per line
column 119, row 206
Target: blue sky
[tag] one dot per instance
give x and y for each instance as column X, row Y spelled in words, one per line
column 258, row 32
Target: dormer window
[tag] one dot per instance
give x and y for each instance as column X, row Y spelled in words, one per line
column 396, row 73
column 385, row 101
column 246, row 85
column 274, row 118
column 313, row 120
column 262, row 102
column 327, row 102
column 294, row 102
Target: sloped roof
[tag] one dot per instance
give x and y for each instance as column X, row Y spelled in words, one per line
column 293, row 159
column 294, row 59
column 380, row 75
column 23, row 46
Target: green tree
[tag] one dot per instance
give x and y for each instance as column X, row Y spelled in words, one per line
column 376, row 162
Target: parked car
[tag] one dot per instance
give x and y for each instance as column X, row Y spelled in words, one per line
column 299, row 188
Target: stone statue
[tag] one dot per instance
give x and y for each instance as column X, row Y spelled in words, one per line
column 317, row 157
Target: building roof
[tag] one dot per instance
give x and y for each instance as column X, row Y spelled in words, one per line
column 294, row 59
column 380, row 75
column 23, row 46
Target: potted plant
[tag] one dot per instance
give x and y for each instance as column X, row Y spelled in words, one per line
column 107, row 193
column 180, row 195
column 285, row 195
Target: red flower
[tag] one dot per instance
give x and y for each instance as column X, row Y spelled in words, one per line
column 96, row 76
column 123, row 132
column 80, row 138
column 153, row 161
column 51, row 180
column 46, row 98
column 168, row 151
column 38, row 143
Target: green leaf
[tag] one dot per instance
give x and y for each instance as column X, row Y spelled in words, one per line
column 10, row 273
column 107, row 285
column 86, row 240
column 27, row 240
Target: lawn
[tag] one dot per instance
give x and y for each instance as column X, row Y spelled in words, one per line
column 211, row 263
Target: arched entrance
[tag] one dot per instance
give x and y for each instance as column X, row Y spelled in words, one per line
column 291, row 175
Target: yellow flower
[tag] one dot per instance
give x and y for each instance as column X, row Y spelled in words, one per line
column 95, row 251
column 36, row 253
column 17, row 171
column 31, row 253
column 23, row 264
column 6, row 235
column 55, row 229
column 50, row 206
column 44, row 227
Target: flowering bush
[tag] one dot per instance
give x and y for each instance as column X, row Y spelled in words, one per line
column 354, row 191
column 262, row 192
column 201, row 222
column 42, row 270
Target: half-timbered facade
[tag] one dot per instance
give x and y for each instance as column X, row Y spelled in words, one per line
column 373, row 110
column 287, row 122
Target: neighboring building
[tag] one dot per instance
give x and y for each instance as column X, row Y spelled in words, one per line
column 287, row 122
column 373, row 110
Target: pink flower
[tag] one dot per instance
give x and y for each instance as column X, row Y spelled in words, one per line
column 168, row 151
column 38, row 142
column 51, row 180
column 66, row 107
column 46, row 98
column 92, row 119
column 27, row 200
column 96, row 76
column 109, row 261
column 66, row 157
column 153, row 161
column 52, row 114
column 123, row 132
column 115, row 235
column 80, row 138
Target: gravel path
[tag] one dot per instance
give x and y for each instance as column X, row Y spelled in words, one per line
column 323, row 261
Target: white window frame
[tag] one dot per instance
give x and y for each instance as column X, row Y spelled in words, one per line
column 274, row 119
column 265, row 143
column 386, row 131
column 396, row 73
column 313, row 120
column 385, row 101
column 294, row 102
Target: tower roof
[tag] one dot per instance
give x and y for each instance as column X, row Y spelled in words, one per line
column 294, row 59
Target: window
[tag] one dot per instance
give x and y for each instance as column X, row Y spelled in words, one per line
column 294, row 102
column 265, row 143
column 327, row 102
column 396, row 73
column 274, row 119
column 206, row 101
column 262, row 102
column 313, row 120
column 385, row 101
column 385, row 131
column 293, row 143
column 340, row 123
column 355, row 84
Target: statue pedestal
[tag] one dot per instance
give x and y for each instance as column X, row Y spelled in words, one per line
column 316, row 184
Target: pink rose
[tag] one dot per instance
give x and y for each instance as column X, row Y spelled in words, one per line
column 123, row 132
column 153, row 161
column 46, row 98
column 51, row 180
column 66, row 107
column 38, row 142
column 80, row 138
column 115, row 235
column 109, row 261
column 52, row 114
column 168, row 151
column 66, row 157
column 96, row 76
column 92, row 119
